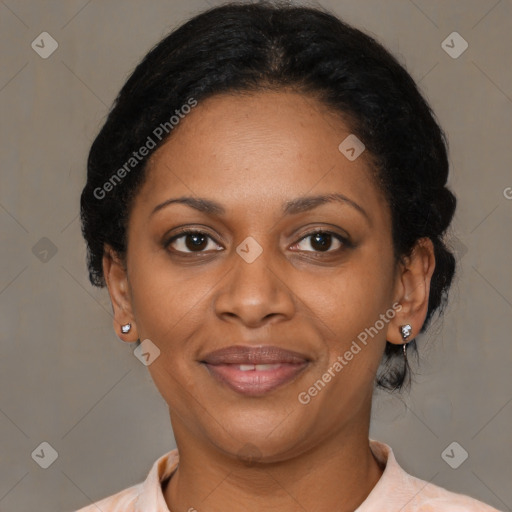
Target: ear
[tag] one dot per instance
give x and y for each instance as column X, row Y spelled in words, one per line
column 116, row 278
column 412, row 291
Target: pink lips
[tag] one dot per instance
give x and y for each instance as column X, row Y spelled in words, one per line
column 254, row 370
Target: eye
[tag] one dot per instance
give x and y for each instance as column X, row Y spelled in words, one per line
column 320, row 241
column 192, row 241
column 189, row 241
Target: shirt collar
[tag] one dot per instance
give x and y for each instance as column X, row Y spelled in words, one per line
column 393, row 478
column 151, row 498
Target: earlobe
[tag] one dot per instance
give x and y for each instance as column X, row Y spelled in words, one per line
column 412, row 292
column 116, row 278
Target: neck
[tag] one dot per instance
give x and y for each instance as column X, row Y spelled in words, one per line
column 336, row 475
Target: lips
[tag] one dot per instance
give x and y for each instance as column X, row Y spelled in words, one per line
column 254, row 371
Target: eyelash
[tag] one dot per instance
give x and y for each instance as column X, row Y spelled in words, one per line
column 344, row 241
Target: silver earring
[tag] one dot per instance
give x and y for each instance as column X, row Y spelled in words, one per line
column 125, row 329
column 405, row 331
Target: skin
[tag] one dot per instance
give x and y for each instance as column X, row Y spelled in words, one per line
column 251, row 153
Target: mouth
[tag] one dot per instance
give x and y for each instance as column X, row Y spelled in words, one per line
column 254, row 371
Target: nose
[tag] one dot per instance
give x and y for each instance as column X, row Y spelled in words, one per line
column 256, row 293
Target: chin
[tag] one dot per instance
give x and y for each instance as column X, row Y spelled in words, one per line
column 265, row 439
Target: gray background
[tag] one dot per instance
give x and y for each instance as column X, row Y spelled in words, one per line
column 66, row 379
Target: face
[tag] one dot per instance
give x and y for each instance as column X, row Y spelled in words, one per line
column 267, row 264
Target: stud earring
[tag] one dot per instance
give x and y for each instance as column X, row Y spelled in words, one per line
column 125, row 329
column 405, row 331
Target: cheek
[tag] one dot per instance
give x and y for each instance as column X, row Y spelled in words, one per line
column 167, row 299
column 351, row 298
column 347, row 305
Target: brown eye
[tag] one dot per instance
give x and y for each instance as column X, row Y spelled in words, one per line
column 320, row 241
column 192, row 241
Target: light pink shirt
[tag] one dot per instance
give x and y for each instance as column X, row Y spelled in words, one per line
column 396, row 491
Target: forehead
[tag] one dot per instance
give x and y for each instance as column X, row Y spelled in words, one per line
column 265, row 146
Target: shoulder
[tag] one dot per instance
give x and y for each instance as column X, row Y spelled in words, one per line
column 119, row 502
column 433, row 498
column 145, row 496
column 398, row 490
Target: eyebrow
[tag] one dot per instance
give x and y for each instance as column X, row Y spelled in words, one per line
column 299, row 205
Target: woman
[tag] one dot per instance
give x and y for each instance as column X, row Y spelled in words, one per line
column 266, row 204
